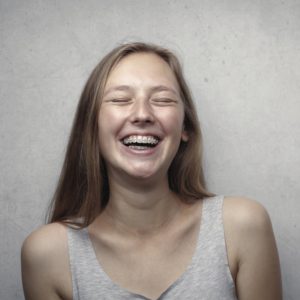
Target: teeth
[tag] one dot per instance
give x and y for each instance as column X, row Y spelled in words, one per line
column 141, row 140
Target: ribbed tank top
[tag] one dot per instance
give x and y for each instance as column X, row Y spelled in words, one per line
column 207, row 277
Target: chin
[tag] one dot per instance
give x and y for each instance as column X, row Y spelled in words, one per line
column 142, row 175
column 146, row 174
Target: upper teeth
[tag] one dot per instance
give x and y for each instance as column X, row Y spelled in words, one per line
column 141, row 139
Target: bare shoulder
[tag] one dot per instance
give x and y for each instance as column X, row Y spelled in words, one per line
column 251, row 247
column 45, row 245
column 247, row 224
column 45, row 263
column 246, row 214
column 45, row 240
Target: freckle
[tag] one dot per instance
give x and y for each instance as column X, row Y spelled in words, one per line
column 205, row 79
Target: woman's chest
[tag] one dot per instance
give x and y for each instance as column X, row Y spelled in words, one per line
column 149, row 266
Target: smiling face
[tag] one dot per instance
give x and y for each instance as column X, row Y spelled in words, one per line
column 141, row 118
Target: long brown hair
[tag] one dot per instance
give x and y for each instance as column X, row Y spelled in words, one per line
column 83, row 190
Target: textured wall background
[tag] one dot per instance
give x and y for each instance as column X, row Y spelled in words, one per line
column 241, row 58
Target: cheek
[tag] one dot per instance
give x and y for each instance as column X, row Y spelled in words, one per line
column 104, row 115
column 172, row 121
column 105, row 127
column 109, row 121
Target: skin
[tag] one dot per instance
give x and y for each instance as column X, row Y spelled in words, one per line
column 141, row 98
column 144, row 221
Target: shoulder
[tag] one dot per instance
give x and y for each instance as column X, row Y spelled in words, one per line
column 246, row 223
column 45, row 242
column 251, row 249
column 245, row 213
column 45, row 263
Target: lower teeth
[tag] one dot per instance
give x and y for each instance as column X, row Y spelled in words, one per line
column 139, row 147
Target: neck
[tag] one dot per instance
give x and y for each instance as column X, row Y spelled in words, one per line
column 141, row 210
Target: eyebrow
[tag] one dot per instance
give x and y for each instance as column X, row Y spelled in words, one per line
column 157, row 88
column 163, row 88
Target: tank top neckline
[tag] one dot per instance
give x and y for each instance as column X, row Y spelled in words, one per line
column 201, row 231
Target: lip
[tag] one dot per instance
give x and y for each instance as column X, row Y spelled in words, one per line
column 140, row 153
column 146, row 152
column 154, row 134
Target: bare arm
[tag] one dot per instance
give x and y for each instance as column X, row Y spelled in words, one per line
column 45, row 265
column 254, row 250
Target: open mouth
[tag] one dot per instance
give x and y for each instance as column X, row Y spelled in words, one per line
column 139, row 142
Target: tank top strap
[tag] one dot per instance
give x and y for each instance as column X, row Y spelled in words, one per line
column 212, row 215
column 80, row 258
column 211, row 234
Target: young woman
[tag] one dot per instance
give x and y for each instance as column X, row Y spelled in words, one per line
column 131, row 218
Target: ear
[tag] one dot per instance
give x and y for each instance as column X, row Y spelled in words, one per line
column 184, row 136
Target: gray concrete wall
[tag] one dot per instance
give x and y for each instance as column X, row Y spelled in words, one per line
column 241, row 58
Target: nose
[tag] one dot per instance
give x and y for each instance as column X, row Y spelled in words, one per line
column 142, row 112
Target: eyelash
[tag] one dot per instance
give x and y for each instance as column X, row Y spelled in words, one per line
column 119, row 100
column 158, row 101
column 163, row 100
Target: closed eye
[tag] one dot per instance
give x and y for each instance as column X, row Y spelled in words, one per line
column 164, row 101
column 119, row 100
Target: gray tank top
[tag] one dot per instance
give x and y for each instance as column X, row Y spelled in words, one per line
column 206, row 278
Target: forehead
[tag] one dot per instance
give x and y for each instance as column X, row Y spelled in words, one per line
column 142, row 68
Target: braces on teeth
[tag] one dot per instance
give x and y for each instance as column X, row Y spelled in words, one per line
column 141, row 140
